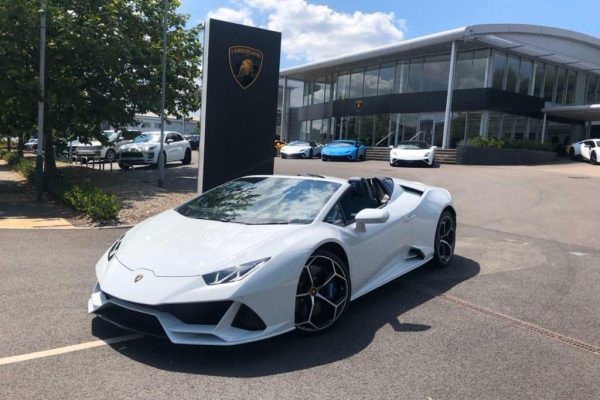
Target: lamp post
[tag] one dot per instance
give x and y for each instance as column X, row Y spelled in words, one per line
column 39, row 159
column 161, row 160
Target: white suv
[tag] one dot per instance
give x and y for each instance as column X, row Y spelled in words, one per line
column 95, row 149
column 145, row 148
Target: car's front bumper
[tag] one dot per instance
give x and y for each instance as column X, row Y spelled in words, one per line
column 402, row 161
column 224, row 322
column 137, row 158
column 338, row 157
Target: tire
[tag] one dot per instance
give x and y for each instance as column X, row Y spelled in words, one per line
column 323, row 158
column 432, row 163
column 593, row 158
column 187, row 159
column 110, row 156
column 124, row 167
column 317, row 308
column 445, row 240
column 362, row 157
column 572, row 154
column 310, row 154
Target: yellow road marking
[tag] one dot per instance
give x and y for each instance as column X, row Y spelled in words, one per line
column 27, row 223
column 68, row 349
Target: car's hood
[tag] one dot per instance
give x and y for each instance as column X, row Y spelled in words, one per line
column 170, row 244
column 339, row 149
column 414, row 152
column 295, row 149
column 91, row 143
column 137, row 146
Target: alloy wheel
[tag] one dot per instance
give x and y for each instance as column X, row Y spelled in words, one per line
column 322, row 294
column 446, row 239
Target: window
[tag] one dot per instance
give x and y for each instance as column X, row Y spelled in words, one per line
column 386, row 79
column 512, row 73
column 538, row 79
column 591, row 89
column 494, row 123
column 499, row 70
column 356, row 198
column 401, row 82
column 435, row 73
column 561, row 80
column 462, row 76
column 479, row 66
column 414, row 75
column 318, row 92
column 549, row 83
column 571, row 86
column 356, row 83
column 336, row 216
column 580, row 88
column 343, row 86
column 371, row 78
column 525, row 75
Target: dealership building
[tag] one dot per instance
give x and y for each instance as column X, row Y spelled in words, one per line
column 518, row 82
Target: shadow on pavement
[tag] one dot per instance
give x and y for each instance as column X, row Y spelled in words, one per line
column 296, row 351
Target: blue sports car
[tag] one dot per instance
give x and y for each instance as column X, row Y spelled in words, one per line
column 344, row 150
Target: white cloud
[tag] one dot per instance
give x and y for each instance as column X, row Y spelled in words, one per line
column 242, row 15
column 313, row 32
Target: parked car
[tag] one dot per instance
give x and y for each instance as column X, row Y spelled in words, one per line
column 194, row 140
column 588, row 149
column 215, row 270
column 344, row 150
column 31, row 145
column 412, row 152
column 145, row 148
column 301, row 149
column 278, row 145
column 108, row 152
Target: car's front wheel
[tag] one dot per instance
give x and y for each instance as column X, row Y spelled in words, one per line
column 445, row 239
column 323, row 292
column 124, row 166
column 111, row 156
column 187, row 159
column 593, row 159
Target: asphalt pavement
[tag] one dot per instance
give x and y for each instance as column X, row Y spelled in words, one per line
column 514, row 317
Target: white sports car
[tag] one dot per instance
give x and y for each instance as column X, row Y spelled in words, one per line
column 263, row 255
column 412, row 152
column 144, row 150
column 301, row 149
column 588, row 149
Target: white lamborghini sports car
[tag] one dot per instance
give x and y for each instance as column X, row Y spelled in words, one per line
column 301, row 149
column 412, row 152
column 263, row 255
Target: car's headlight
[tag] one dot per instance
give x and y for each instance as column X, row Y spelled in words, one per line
column 233, row 274
column 151, row 148
column 115, row 247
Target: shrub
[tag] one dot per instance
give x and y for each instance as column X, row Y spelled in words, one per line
column 3, row 153
column 508, row 144
column 93, row 202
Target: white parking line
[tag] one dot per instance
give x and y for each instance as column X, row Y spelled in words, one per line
column 68, row 349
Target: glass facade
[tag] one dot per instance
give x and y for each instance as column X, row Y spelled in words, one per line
column 474, row 69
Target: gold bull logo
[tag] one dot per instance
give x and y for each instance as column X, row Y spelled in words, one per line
column 245, row 64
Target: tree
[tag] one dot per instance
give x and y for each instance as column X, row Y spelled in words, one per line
column 103, row 63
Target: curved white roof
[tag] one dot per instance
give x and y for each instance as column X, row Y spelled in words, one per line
column 555, row 45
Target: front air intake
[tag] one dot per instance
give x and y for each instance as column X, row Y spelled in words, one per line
column 248, row 320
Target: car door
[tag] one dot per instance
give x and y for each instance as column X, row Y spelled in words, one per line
column 586, row 149
column 170, row 147
column 181, row 145
column 371, row 251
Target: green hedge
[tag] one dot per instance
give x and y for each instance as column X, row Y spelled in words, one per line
column 508, row 144
column 96, row 204
column 93, row 202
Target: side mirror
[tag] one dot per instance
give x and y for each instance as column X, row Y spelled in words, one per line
column 169, row 141
column 370, row 216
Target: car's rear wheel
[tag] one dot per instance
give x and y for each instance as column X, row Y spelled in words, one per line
column 445, row 239
column 187, row 159
column 593, row 158
column 124, row 166
column 323, row 292
column 310, row 154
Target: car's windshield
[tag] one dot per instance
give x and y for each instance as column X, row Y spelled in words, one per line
column 298, row 143
column 262, row 201
column 112, row 136
column 342, row 144
column 412, row 145
column 147, row 137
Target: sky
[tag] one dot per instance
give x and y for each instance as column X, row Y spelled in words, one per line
column 314, row 30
